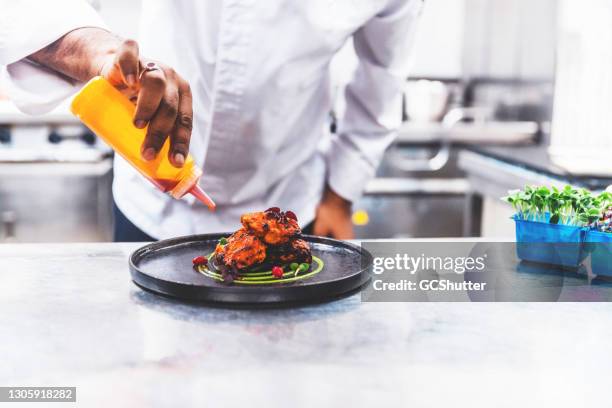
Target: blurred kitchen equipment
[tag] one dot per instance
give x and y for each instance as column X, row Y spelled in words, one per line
column 425, row 100
column 420, row 191
column 440, row 158
column 55, row 179
column 509, row 57
column 7, row 219
column 580, row 139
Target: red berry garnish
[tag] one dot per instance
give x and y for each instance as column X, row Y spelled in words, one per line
column 291, row 214
column 273, row 209
column 277, row 272
column 200, row 260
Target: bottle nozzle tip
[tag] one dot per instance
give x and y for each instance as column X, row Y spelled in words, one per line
column 201, row 195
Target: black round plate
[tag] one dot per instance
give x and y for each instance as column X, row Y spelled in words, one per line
column 165, row 267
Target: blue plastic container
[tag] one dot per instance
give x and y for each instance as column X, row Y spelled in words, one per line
column 553, row 244
column 599, row 244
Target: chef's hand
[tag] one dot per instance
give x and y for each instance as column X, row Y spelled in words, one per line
column 162, row 97
column 163, row 100
column 333, row 217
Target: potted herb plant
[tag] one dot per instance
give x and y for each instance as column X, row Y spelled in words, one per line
column 551, row 223
column 599, row 237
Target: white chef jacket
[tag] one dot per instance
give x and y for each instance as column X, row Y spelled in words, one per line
column 260, row 77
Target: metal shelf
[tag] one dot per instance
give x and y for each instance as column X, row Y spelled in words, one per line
column 501, row 133
column 398, row 186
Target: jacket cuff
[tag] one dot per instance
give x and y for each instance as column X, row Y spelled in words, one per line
column 348, row 172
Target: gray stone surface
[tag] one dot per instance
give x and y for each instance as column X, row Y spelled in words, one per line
column 70, row 316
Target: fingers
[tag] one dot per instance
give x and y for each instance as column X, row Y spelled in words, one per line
column 343, row 230
column 163, row 102
column 152, row 90
column 128, row 62
column 181, row 133
column 163, row 119
column 337, row 230
column 333, row 220
column 122, row 70
column 320, row 228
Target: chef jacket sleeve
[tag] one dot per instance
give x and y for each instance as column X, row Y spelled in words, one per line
column 373, row 97
column 27, row 26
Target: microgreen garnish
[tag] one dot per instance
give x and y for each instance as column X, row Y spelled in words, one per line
column 567, row 206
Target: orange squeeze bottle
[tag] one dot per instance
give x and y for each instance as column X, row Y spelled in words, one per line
column 108, row 113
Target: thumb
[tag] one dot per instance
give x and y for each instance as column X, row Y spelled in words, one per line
column 122, row 68
column 128, row 62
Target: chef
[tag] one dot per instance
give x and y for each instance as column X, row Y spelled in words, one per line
column 242, row 85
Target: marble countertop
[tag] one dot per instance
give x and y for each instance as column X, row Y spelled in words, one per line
column 70, row 316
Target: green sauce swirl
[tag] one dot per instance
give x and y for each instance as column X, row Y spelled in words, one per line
column 264, row 277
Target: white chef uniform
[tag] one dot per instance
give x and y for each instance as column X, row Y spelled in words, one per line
column 260, row 77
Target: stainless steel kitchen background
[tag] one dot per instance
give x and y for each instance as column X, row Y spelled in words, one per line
column 482, row 85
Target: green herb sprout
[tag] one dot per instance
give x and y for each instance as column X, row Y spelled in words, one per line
column 567, row 206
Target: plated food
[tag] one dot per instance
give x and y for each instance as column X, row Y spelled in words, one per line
column 268, row 248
